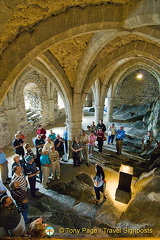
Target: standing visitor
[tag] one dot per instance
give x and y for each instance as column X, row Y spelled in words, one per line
column 65, row 137
column 85, row 140
column 18, row 145
column 111, row 133
column 28, row 151
column 88, row 132
column 55, row 163
column 21, row 199
column 120, row 134
column 39, row 143
column 47, row 146
column 31, row 172
column 93, row 127
column 18, row 176
column 147, row 141
column 100, row 139
column 3, row 191
column 101, row 125
column 92, row 139
column 41, row 131
column 45, row 166
column 52, row 135
column 59, row 145
column 3, row 166
column 98, row 181
column 76, row 148
column 18, row 162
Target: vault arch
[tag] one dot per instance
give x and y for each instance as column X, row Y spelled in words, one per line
column 77, row 21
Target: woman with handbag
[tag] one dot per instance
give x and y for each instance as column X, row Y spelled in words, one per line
column 98, row 181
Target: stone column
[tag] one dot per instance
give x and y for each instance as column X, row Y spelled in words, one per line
column 88, row 102
column 74, row 121
column 98, row 113
column 12, row 121
column 109, row 116
column 51, row 106
column 74, row 129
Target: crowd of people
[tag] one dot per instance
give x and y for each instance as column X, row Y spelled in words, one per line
column 27, row 165
column 44, row 164
column 83, row 146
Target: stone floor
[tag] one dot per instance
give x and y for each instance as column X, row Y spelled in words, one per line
column 67, row 203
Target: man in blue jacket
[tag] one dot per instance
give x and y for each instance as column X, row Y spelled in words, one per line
column 120, row 134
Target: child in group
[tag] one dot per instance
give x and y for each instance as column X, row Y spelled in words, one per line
column 55, row 163
column 92, row 139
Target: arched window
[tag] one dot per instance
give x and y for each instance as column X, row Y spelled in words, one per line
column 60, row 102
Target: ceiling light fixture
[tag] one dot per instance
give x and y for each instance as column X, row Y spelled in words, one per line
column 139, row 76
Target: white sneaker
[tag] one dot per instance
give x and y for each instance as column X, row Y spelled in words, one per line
column 58, row 178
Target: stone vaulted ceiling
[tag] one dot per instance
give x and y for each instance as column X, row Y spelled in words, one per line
column 69, row 52
column 19, row 15
column 31, row 35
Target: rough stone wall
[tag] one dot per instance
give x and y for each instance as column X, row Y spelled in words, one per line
column 132, row 91
column 5, row 133
column 29, row 127
column 24, row 125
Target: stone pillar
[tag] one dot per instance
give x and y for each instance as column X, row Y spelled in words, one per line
column 12, row 121
column 98, row 113
column 88, row 102
column 51, row 106
column 109, row 116
column 74, row 129
column 74, row 121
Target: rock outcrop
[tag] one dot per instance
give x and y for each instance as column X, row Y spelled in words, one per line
column 152, row 118
column 138, row 120
column 142, row 215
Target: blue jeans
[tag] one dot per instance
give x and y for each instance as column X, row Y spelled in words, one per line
column 97, row 191
column 24, row 208
column 111, row 138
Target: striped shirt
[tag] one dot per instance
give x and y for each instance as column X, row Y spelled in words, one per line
column 19, row 195
column 21, row 179
column 54, row 156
